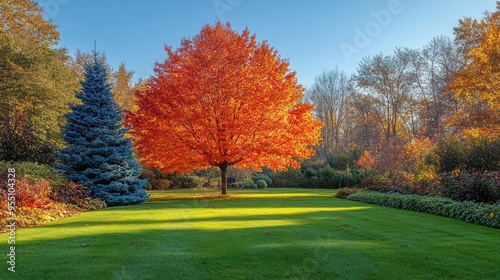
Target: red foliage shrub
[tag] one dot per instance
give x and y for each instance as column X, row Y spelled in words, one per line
column 75, row 194
column 40, row 200
column 32, row 193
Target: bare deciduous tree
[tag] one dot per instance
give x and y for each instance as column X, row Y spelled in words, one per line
column 433, row 73
column 329, row 94
column 390, row 81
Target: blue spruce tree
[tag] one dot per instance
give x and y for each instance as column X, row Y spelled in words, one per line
column 97, row 153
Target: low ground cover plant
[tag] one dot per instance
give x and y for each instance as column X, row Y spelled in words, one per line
column 468, row 211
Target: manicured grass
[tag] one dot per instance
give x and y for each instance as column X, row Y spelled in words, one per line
column 264, row 234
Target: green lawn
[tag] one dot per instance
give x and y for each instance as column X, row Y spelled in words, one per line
column 268, row 234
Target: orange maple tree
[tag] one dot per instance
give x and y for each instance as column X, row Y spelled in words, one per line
column 222, row 99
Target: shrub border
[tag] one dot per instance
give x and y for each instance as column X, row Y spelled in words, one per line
column 472, row 212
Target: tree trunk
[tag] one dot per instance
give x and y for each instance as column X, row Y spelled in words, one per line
column 223, row 169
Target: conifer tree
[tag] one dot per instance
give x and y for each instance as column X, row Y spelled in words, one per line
column 97, row 153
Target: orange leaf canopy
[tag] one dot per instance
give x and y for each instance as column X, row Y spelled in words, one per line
column 223, row 99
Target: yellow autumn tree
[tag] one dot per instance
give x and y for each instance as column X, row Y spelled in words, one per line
column 477, row 85
column 415, row 156
column 122, row 88
column 36, row 84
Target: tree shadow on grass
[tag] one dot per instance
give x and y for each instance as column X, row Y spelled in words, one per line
column 324, row 238
column 174, row 248
column 232, row 209
column 302, row 217
column 305, row 199
column 179, row 254
column 316, row 246
column 211, row 195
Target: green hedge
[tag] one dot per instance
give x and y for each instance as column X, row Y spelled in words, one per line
column 462, row 154
column 246, row 184
column 345, row 192
column 471, row 185
column 325, row 178
column 472, row 212
column 264, row 177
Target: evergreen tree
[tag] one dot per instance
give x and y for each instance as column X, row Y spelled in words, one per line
column 97, row 154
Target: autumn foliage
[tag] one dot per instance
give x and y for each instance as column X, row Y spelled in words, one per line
column 223, row 99
column 41, row 195
column 477, row 85
column 366, row 160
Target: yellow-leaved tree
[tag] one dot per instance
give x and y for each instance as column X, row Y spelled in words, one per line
column 477, row 84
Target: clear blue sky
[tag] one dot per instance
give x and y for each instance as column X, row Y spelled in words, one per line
column 314, row 35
